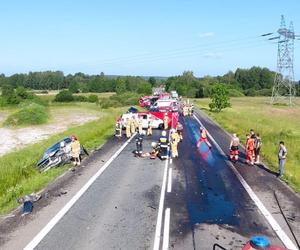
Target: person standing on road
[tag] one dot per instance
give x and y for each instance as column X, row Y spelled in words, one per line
column 118, row 129
column 75, row 150
column 179, row 130
column 257, row 145
column 166, row 121
column 250, row 149
column 281, row 158
column 140, row 125
column 132, row 125
column 203, row 137
column 174, row 143
column 163, row 145
column 149, row 129
column 128, row 126
column 234, row 148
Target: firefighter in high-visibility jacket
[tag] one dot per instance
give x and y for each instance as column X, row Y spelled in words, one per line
column 175, row 139
column 118, row 129
column 127, row 127
column 163, row 145
column 132, row 125
column 166, row 121
column 203, row 137
column 140, row 125
column 149, row 129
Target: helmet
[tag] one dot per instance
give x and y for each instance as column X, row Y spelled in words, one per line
column 153, row 144
column 201, row 128
column 164, row 133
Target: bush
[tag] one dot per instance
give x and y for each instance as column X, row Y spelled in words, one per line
column 64, row 96
column 250, row 92
column 22, row 93
column 32, row 114
column 109, row 103
column 93, row 98
column 80, row 98
column 127, row 98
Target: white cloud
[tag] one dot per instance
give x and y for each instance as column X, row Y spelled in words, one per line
column 213, row 55
column 206, row 34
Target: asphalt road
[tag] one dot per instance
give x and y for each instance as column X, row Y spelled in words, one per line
column 134, row 204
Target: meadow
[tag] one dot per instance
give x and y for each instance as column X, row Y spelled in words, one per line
column 18, row 172
column 274, row 123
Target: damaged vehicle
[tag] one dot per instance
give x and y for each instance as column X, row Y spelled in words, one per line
column 58, row 154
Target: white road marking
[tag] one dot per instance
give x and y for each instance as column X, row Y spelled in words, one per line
column 169, row 189
column 160, row 208
column 166, row 237
column 38, row 238
column 274, row 224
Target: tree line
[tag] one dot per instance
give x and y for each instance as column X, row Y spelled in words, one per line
column 250, row 82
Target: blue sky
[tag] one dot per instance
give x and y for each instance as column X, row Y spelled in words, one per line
column 159, row 38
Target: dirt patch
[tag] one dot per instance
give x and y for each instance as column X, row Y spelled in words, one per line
column 14, row 139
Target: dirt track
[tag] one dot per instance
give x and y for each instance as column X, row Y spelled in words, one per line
column 17, row 138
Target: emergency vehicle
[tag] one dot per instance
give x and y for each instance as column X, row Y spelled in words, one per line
column 156, row 118
column 169, row 105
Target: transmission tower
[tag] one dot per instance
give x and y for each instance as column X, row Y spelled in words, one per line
column 284, row 85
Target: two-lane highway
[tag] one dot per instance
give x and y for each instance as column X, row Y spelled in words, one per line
column 190, row 202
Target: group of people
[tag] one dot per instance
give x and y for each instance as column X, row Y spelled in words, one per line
column 160, row 148
column 253, row 146
column 187, row 109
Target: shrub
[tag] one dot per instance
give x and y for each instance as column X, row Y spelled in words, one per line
column 32, row 114
column 127, row 98
column 109, row 103
column 93, row 98
column 64, row 96
column 80, row 98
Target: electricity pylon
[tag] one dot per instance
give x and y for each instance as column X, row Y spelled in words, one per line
column 284, row 85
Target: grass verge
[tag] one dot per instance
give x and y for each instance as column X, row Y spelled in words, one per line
column 18, row 174
column 273, row 123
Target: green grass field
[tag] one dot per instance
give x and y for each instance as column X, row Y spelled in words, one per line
column 273, row 122
column 18, row 174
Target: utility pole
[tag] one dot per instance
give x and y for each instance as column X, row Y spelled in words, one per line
column 284, row 84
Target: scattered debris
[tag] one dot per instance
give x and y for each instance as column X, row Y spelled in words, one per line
column 27, row 202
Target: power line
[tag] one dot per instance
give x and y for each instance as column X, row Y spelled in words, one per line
column 189, row 52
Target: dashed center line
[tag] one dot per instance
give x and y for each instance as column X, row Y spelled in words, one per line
column 169, row 189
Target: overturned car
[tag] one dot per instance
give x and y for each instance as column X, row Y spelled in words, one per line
column 58, row 154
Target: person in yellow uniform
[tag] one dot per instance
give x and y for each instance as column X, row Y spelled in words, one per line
column 132, row 125
column 185, row 113
column 127, row 126
column 149, row 130
column 140, row 125
column 190, row 110
column 175, row 138
column 166, row 121
column 75, row 150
